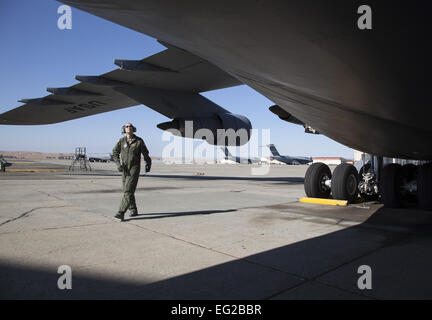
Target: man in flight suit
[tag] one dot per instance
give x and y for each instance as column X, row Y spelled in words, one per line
column 128, row 150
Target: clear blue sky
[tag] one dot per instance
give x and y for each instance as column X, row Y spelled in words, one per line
column 35, row 54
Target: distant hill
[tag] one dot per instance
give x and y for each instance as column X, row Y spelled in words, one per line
column 35, row 155
column 42, row 155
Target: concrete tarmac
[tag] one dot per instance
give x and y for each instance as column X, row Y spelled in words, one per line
column 203, row 232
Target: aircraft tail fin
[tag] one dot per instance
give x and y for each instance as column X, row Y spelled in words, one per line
column 273, row 150
column 226, row 151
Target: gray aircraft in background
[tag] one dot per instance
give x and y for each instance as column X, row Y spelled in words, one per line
column 228, row 156
column 4, row 163
column 100, row 158
column 287, row 159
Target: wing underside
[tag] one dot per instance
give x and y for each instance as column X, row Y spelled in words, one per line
column 168, row 82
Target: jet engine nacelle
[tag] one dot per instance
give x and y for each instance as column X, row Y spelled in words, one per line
column 220, row 129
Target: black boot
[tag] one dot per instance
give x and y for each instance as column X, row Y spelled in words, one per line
column 119, row 216
column 133, row 213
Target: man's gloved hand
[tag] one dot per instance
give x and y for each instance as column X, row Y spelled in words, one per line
column 147, row 168
column 119, row 167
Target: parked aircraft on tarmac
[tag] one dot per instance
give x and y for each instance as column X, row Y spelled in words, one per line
column 230, row 157
column 287, row 159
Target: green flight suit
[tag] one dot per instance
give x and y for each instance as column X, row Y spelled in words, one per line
column 130, row 156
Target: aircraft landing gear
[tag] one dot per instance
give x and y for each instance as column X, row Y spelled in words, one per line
column 397, row 185
column 343, row 185
column 402, row 186
column 368, row 185
column 392, row 186
column 317, row 181
column 424, row 186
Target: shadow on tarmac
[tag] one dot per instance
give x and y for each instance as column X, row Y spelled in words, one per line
column 148, row 216
column 395, row 243
column 292, row 180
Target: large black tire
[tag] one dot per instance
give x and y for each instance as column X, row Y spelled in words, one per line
column 316, row 174
column 344, row 184
column 424, row 187
column 390, row 185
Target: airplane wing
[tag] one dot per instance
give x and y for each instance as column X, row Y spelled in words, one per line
column 169, row 82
